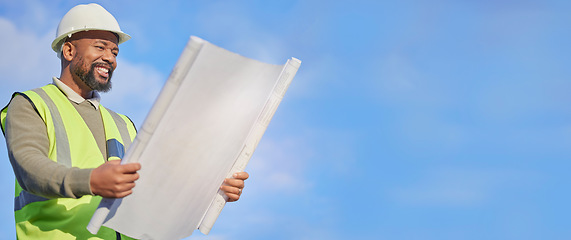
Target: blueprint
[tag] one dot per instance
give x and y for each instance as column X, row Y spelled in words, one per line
column 203, row 127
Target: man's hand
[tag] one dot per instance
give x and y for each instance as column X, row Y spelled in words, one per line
column 113, row 180
column 232, row 187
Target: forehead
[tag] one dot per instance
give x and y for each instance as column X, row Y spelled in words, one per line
column 95, row 35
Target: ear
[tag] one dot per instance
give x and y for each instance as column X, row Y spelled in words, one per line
column 68, row 51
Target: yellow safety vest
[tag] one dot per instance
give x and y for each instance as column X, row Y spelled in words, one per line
column 71, row 143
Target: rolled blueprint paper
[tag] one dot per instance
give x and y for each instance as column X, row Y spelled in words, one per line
column 203, row 127
column 150, row 124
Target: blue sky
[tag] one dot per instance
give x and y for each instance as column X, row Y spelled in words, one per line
column 407, row 119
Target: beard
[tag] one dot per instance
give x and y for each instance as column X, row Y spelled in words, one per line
column 89, row 77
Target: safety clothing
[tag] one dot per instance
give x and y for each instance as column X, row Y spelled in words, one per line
column 83, row 18
column 71, row 143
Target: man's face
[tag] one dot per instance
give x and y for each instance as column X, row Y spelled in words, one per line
column 95, row 58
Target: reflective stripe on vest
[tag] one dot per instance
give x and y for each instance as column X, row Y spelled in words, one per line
column 63, row 154
column 25, row 198
column 71, row 144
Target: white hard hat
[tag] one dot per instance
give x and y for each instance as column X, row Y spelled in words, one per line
column 83, row 18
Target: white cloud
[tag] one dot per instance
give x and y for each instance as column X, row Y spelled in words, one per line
column 28, row 60
column 279, row 166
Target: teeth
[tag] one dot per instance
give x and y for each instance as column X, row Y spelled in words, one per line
column 103, row 69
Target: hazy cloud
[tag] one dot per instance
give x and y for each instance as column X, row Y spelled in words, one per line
column 458, row 187
column 28, row 60
column 280, row 166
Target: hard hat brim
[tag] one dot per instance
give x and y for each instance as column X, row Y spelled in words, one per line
column 58, row 42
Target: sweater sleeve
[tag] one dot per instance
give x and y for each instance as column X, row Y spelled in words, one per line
column 28, row 144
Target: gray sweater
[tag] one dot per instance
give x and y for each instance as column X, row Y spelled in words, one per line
column 27, row 142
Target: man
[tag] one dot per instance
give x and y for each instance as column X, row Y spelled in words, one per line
column 62, row 142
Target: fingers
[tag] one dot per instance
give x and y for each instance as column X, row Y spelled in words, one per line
column 123, row 194
column 113, row 180
column 126, row 173
column 241, row 175
column 127, row 178
column 125, row 168
column 233, row 193
column 130, row 167
column 233, row 187
column 238, row 183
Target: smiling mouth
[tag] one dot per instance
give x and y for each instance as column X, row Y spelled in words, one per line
column 103, row 71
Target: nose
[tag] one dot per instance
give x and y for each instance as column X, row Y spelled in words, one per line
column 108, row 57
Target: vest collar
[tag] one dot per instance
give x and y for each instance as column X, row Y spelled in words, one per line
column 76, row 98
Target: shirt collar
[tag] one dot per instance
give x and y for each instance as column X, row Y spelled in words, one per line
column 75, row 97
